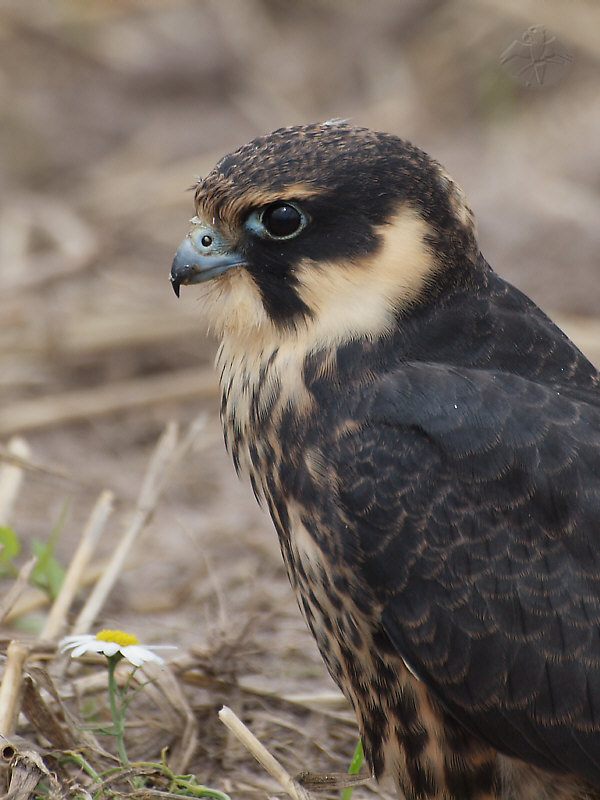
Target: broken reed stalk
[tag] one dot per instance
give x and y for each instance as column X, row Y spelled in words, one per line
column 32, row 598
column 73, row 577
column 24, row 599
column 148, row 496
column 83, row 334
column 167, row 453
column 29, row 465
column 11, row 477
column 262, row 755
column 163, row 681
column 82, row 404
column 17, row 589
column 10, row 688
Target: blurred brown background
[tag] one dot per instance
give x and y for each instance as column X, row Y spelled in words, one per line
column 109, row 110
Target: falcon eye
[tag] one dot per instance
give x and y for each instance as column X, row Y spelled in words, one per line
column 279, row 220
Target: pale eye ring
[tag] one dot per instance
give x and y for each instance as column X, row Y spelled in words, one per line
column 279, row 220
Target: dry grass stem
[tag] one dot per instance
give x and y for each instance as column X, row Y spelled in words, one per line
column 11, row 477
column 181, row 754
column 71, row 722
column 73, row 577
column 26, row 766
column 168, row 452
column 330, row 704
column 33, row 599
column 26, row 770
column 17, row 589
column 333, row 781
column 28, row 465
column 30, row 599
column 321, row 701
column 148, row 496
column 43, row 718
column 82, row 404
column 81, row 335
column 262, row 755
column 94, row 682
column 10, row 688
column 71, row 243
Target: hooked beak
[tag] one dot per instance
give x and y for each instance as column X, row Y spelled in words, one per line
column 201, row 256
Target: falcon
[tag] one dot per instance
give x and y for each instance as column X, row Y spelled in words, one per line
column 427, row 443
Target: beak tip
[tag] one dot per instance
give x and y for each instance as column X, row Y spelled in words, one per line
column 175, row 283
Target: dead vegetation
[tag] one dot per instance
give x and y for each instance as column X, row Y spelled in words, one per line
column 50, row 705
column 108, row 111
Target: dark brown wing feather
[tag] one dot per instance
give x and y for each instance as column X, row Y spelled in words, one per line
column 473, row 498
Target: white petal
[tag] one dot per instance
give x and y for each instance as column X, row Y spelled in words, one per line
column 80, row 650
column 108, row 648
column 137, row 655
column 73, row 641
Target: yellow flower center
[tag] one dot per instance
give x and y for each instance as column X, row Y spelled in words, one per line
column 119, row 637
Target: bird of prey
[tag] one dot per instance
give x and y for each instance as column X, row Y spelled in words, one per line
column 427, row 443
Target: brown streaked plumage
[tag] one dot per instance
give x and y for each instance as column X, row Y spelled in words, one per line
column 428, row 445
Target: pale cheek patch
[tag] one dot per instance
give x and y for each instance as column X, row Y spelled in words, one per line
column 232, row 305
column 348, row 300
column 362, row 298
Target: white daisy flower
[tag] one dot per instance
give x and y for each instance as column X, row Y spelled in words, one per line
column 111, row 642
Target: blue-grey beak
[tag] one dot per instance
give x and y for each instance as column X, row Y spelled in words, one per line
column 202, row 255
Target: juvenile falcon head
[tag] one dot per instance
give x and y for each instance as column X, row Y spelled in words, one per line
column 324, row 231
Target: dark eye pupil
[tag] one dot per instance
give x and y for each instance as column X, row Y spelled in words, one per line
column 282, row 220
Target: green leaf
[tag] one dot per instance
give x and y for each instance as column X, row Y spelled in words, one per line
column 48, row 573
column 355, row 765
column 10, row 544
column 32, row 624
column 9, row 548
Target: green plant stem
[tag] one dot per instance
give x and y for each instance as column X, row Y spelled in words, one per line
column 186, row 782
column 355, row 765
column 116, row 710
column 81, row 762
